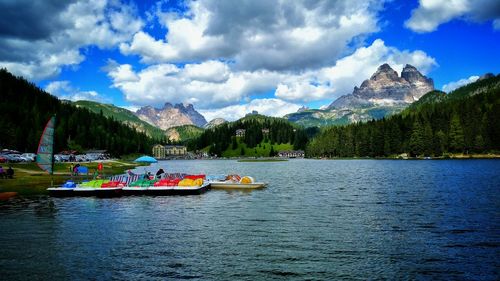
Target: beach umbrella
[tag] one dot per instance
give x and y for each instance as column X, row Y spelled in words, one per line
column 146, row 159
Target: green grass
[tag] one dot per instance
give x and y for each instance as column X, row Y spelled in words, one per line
column 259, row 151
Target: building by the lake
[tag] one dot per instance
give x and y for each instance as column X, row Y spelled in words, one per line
column 240, row 133
column 164, row 151
column 291, row 154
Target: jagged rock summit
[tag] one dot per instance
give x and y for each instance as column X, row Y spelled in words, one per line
column 171, row 116
column 215, row 122
column 385, row 87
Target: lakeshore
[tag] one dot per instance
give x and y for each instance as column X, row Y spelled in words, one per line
column 30, row 180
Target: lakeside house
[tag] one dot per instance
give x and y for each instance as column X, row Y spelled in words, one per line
column 240, row 132
column 164, row 151
column 291, row 154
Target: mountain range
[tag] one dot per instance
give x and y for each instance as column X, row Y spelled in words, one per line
column 385, row 93
column 171, row 116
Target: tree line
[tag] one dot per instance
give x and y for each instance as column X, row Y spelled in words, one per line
column 220, row 138
column 466, row 120
column 25, row 109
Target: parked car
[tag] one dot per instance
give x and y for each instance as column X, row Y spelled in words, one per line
column 81, row 158
column 14, row 158
column 57, row 158
column 30, row 157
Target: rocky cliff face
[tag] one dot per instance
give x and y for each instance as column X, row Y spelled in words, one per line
column 171, row 116
column 386, row 88
column 214, row 123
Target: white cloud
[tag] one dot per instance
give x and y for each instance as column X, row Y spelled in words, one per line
column 214, row 84
column 217, row 87
column 340, row 79
column 431, row 13
column 269, row 107
column 259, row 34
column 457, row 84
column 65, row 91
column 70, row 27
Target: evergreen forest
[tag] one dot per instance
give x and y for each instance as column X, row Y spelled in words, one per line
column 222, row 137
column 25, row 109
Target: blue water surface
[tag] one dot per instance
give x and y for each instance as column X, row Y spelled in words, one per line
column 317, row 220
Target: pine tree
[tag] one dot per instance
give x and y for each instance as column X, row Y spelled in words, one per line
column 456, row 134
column 272, row 153
column 416, row 139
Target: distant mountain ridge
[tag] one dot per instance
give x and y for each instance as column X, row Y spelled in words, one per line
column 385, row 93
column 171, row 116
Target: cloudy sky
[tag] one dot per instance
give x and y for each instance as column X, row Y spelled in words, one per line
column 230, row 57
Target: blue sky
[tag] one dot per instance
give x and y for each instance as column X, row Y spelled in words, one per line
column 231, row 57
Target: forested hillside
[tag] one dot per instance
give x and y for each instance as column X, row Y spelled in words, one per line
column 123, row 115
column 466, row 120
column 222, row 137
column 182, row 134
column 25, row 109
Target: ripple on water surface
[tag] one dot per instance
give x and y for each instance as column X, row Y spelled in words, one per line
column 356, row 219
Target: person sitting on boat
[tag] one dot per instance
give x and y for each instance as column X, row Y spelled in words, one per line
column 159, row 173
column 10, row 172
column 2, row 173
column 148, row 176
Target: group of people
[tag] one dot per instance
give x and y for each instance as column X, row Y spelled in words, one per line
column 158, row 174
column 6, row 174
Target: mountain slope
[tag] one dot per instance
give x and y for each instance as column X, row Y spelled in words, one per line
column 123, row 115
column 385, row 93
column 183, row 133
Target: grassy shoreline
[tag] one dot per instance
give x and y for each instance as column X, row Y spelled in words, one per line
column 30, row 180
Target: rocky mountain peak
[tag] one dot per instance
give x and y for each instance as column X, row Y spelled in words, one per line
column 214, row 123
column 486, row 76
column 385, row 72
column 171, row 116
column 167, row 106
column 303, row 108
column 386, row 87
column 412, row 75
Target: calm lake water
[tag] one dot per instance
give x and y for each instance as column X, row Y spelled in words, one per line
column 317, row 220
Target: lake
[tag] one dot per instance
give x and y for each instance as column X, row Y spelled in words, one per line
column 317, row 220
